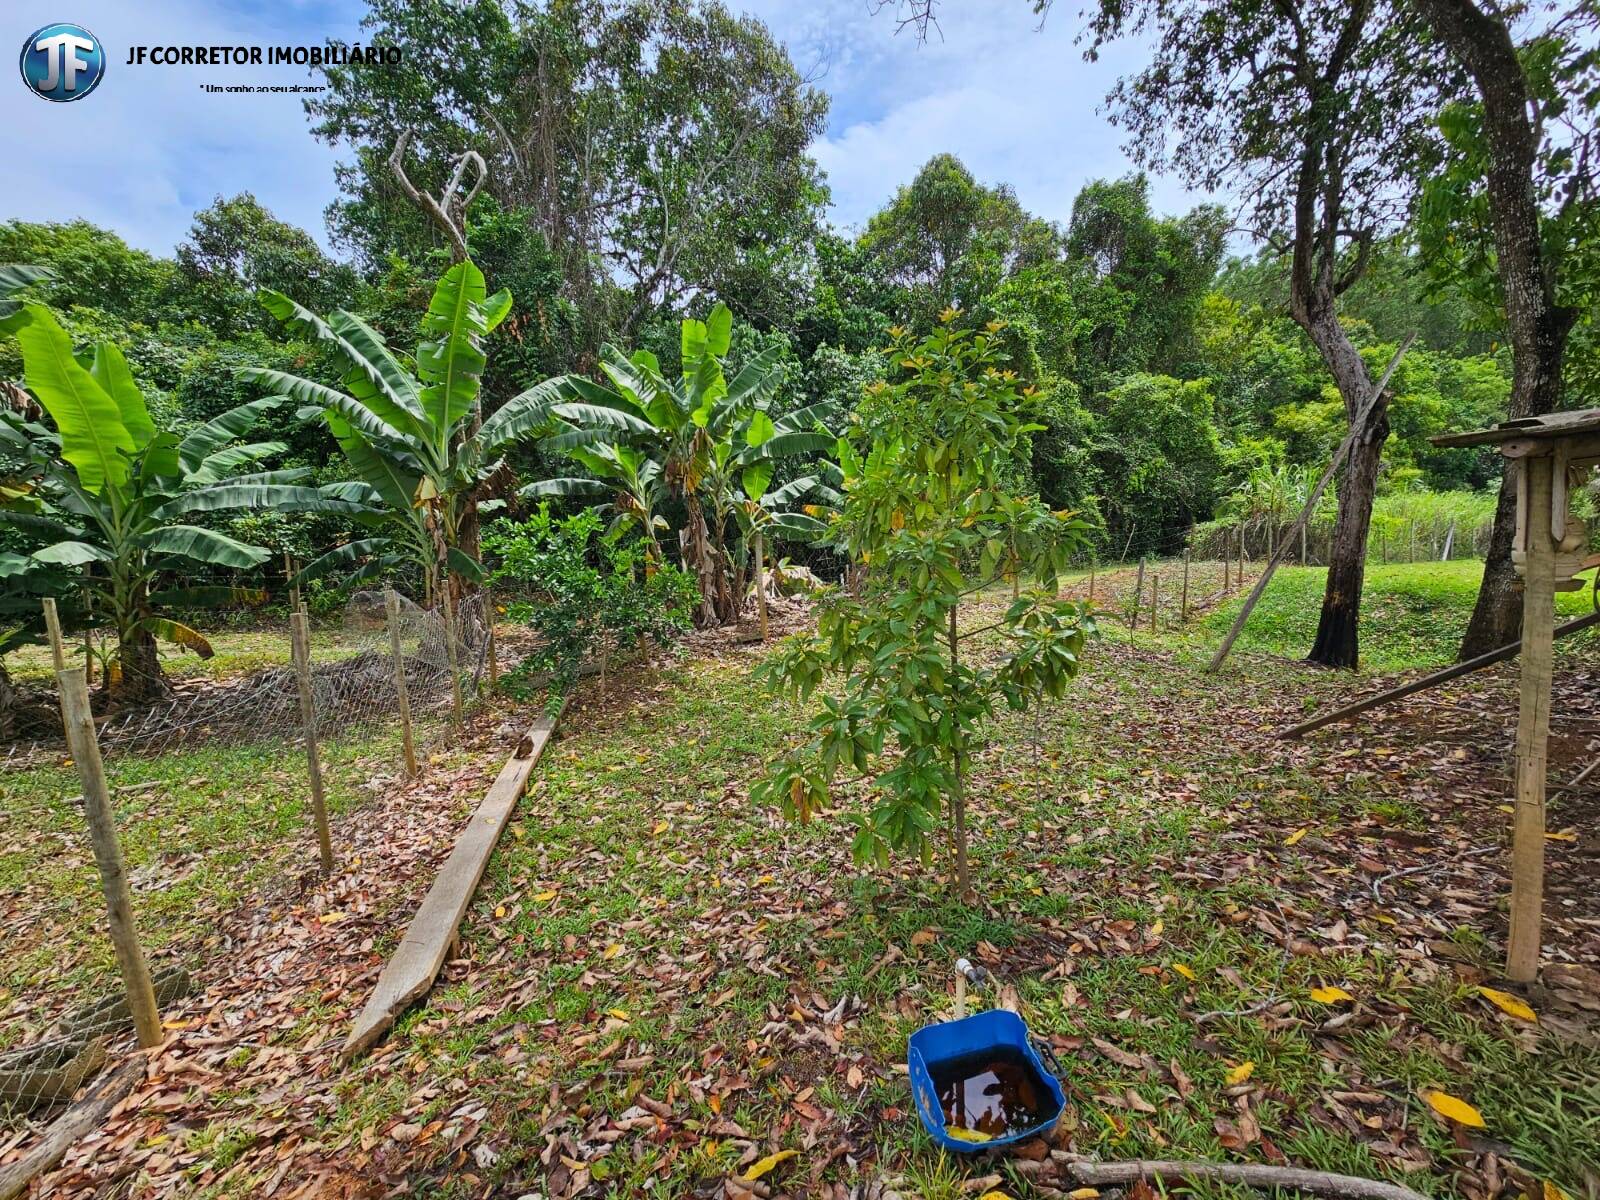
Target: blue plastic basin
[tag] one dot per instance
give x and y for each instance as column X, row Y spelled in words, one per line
column 972, row 1035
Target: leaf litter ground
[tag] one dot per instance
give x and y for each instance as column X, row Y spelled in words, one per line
column 1240, row 949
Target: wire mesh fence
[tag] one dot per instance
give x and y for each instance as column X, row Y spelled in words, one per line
column 215, row 782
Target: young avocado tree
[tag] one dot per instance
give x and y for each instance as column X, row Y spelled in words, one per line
column 408, row 430
column 111, row 494
column 930, row 516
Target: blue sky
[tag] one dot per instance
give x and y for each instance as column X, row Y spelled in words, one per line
column 1013, row 99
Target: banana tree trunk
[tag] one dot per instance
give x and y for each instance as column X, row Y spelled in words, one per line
column 697, row 550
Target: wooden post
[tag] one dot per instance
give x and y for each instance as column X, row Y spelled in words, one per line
column 300, row 637
column 1241, row 556
column 489, row 613
column 52, row 624
column 288, row 578
column 391, row 607
column 87, row 598
column 1155, row 604
column 1091, row 582
column 1185, row 602
column 1533, row 722
column 1302, row 545
column 1411, row 551
column 1138, row 598
column 761, row 583
column 85, row 746
column 451, row 652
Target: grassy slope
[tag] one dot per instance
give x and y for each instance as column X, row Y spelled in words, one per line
column 1412, row 614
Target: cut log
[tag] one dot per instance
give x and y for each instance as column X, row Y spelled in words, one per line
column 1455, row 671
column 74, row 1124
column 48, row 1073
column 1321, row 1183
column 409, row 975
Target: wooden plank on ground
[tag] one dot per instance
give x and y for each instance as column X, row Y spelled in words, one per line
column 410, row 973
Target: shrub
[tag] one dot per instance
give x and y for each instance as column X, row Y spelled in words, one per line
column 586, row 594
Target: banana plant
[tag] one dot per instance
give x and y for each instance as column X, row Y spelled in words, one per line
column 409, row 426
column 113, row 496
column 696, row 428
column 628, row 476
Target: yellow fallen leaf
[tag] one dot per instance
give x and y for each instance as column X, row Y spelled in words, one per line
column 620, row 1014
column 661, row 827
column 499, row 911
column 1331, row 995
column 761, row 1166
column 1508, row 1004
column 1083, row 1194
column 612, row 950
column 966, row 1135
column 1240, row 1073
column 994, row 1196
column 1155, row 930
column 1553, row 1192
column 1454, row 1109
column 1295, row 836
column 1566, row 835
column 1505, row 808
column 1186, row 971
column 328, row 918
column 544, row 897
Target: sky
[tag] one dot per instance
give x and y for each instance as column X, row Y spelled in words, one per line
column 1009, row 95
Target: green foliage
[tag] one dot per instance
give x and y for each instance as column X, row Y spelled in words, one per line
column 404, row 430
column 587, row 595
column 927, row 518
column 114, row 497
column 701, row 438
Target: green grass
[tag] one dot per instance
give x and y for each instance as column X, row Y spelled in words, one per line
column 237, row 652
column 652, row 915
column 199, row 829
column 1412, row 614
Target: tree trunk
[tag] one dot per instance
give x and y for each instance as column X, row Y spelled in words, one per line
column 1338, row 630
column 698, row 552
column 140, row 679
column 1538, row 326
column 8, row 705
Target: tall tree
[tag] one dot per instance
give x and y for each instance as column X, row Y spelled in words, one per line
column 1311, row 110
column 1516, row 202
column 656, row 143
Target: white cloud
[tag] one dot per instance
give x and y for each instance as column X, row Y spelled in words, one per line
column 1014, row 100
column 149, row 146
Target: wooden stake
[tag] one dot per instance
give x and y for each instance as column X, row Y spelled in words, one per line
column 452, row 653
column 1339, row 456
column 488, row 619
column 1241, row 556
column 761, row 583
column 87, row 598
column 1091, row 582
column 85, row 747
column 288, row 577
column 1185, row 602
column 391, row 606
column 1302, row 545
column 1138, row 598
column 1533, row 724
column 1411, row 553
column 300, row 638
column 52, row 624
column 1155, row 604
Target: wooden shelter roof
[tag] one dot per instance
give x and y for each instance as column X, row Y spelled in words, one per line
column 1581, row 422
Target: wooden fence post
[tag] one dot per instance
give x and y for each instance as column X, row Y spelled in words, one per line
column 1302, row 545
column 391, row 608
column 761, row 583
column 451, row 652
column 1533, row 720
column 288, row 578
column 1138, row 599
column 1185, row 603
column 300, row 637
column 1091, row 582
column 52, row 624
column 1241, row 556
column 488, row 626
column 85, row 746
column 1155, row 604
column 1411, row 552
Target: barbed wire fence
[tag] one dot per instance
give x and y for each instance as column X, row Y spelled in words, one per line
column 206, row 780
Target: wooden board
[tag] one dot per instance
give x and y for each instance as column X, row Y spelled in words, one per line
column 410, row 973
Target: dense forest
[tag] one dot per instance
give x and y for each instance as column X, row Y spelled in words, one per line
column 616, row 168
